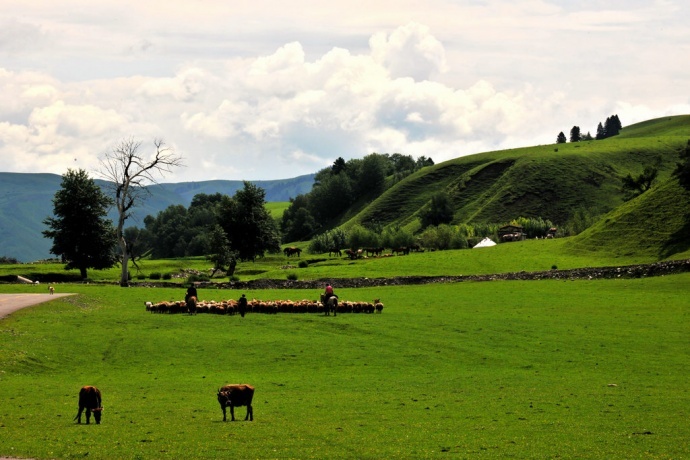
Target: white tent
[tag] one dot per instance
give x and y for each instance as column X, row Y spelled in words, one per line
column 485, row 243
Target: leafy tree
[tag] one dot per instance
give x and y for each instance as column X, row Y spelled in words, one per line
column 297, row 222
column 682, row 171
column 587, row 137
column 601, row 132
column 128, row 171
column 613, row 126
column 423, row 162
column 561, row 139
column 81, row 234
column 223, row 255
column 440, row 211
column 575, row 135
column 250, row 228
column 372, row 174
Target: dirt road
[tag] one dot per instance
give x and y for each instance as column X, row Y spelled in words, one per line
column 9, row 303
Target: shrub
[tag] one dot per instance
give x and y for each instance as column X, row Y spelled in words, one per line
column 155, row 276
column 234, row 278
column 167, row 276
column 303, row 264
column 141, row 276
column 292, row 276
column 197, row 278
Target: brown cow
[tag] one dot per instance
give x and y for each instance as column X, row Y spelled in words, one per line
column 234, row 396
column 90, row 399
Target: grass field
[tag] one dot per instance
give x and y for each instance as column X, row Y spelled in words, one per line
column 542, row 369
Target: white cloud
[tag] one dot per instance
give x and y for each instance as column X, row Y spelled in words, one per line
column 266, row 90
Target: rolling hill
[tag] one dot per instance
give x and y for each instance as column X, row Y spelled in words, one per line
column 551, row 182
column 26, row 200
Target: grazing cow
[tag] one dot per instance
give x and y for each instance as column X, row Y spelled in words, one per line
column 290, row 251
column 90, row 400
column 51, row 290
column 335, row 251
column 234, row 396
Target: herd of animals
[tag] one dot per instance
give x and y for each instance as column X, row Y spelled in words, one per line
column 234, row 395
column 359, row 253
column 232, row 307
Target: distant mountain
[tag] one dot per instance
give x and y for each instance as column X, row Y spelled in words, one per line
column 27, row 199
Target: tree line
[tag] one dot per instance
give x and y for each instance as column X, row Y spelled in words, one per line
column 338, row 187
column 611, row 127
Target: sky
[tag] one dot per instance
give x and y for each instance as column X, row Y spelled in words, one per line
column 268, row 89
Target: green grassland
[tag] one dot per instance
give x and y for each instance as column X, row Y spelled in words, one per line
column 542, row 369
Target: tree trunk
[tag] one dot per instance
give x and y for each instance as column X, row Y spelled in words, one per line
column 124, row 278
column 82, row 271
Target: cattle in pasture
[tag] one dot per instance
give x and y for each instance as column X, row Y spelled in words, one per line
column 90, row 401
column 404, row 250
column 335, row 252
column 236, row 395
column 291, row 251
column 51, row 290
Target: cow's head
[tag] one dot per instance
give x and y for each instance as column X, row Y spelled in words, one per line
column 97, row 414
column 224, row 398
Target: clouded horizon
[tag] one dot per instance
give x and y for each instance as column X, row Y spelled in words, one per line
column 269, row 90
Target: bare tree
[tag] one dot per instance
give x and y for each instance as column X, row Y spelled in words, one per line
column 129, row 173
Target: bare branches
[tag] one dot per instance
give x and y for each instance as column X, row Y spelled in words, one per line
column 129, row 172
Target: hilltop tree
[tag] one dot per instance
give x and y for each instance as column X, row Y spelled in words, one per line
column 129, row 172
column 601, row 132
column 81, row 234
column 561, row 139
column 575, row 135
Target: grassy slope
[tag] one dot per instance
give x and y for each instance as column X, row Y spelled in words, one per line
column 544, row 181
column 656, row 224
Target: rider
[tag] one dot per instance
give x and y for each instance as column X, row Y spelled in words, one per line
column 329, row 292
column 191, row 291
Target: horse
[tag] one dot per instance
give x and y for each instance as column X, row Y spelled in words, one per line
column 335, row 251
column 290, row 251
column 191, row 305
column 330, row 305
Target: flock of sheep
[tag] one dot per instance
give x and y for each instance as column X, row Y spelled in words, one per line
column 230, row 307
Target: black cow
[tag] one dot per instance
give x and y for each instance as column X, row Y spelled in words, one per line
column 90, row 400
column 234, row 396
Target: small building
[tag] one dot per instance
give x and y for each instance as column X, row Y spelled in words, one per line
column 511, row 233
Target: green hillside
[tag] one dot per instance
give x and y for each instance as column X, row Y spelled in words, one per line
column 550, row 181
column 656, row 224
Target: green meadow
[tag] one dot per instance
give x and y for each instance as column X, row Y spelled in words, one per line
column 539, row 369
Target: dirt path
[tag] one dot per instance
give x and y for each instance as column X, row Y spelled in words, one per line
column 9, row 303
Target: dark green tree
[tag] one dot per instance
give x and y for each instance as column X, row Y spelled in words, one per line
column 635, row 186
column 561, row 139
column 575, row 135
column 601, row 132
column 251, row 230
column 81, row 234
column 338, row 166
column 224, row 258
column 682, row 171
column 440, row 210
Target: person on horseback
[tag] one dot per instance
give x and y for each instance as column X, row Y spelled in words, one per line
column 191, row 292
column 329, row 292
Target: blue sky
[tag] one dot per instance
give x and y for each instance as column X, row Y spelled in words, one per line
column 269, row 90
